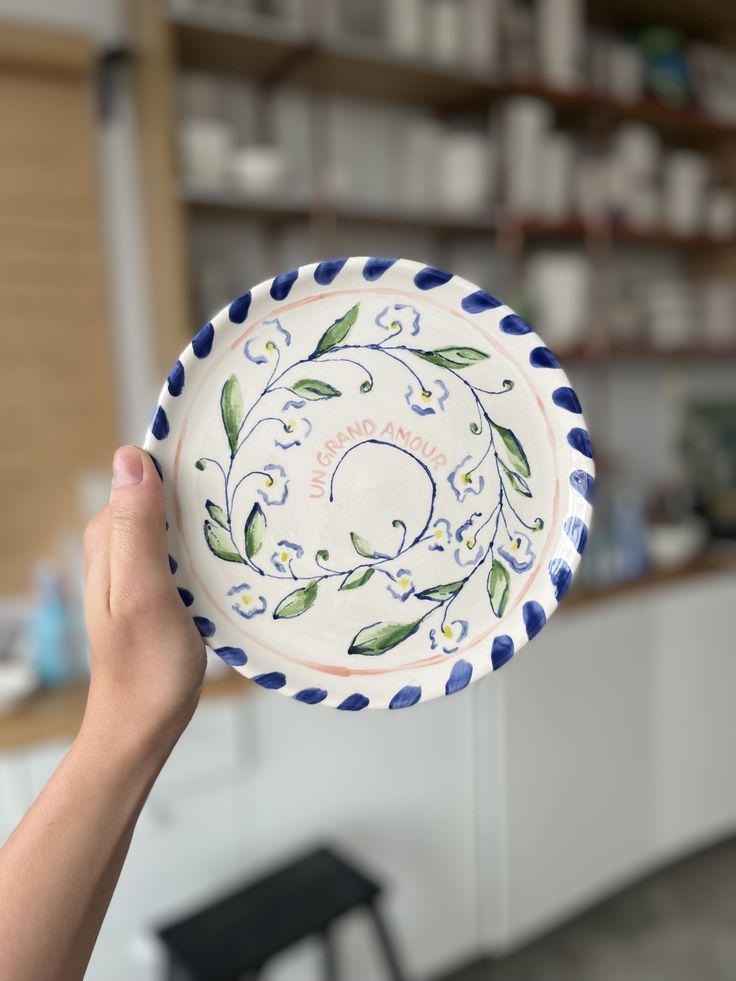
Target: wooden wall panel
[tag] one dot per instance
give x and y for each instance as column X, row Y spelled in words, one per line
column 56, row 393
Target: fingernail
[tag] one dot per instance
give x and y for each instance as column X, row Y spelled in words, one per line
column 127, row 467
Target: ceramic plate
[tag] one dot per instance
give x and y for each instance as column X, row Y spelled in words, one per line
column 377, row 481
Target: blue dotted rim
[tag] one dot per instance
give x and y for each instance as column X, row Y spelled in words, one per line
column 520, row 339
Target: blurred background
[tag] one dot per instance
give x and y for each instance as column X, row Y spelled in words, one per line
column 574, row 815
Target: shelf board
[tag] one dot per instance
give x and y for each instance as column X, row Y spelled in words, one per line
column 50, row 714
column 706, row 19
column 273, row 207
column 283, row 207
column 261, row 49
column 268, row 51
column 709, row 563
column 645, row 353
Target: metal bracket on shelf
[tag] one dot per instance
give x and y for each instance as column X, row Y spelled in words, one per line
column 111, row 62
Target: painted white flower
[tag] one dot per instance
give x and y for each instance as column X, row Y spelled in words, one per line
column 296, row 426
column 261, row 350
column 463, row 481
column 285, row 554
column 399, row 317
column 449, row 636
column 402, row 585
column 427, row 401
column 468, row 551
column 245, row 601
column 274, row 487
column 518, row 552
column 441, row 535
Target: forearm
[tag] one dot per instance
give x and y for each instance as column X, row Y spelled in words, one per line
column 59, row 868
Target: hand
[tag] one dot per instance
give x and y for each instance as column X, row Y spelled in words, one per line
column 147, row 657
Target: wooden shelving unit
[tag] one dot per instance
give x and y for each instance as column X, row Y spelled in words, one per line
column 272, row 53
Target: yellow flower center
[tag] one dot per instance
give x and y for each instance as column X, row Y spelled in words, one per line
column 270, row 346
column 447, row 631
column 515, row 545
column 404, row 581
column 284, row 556
column 470, row 542
column 245, row 600
column 426, row 396
column 438, row 534
column 290, row 426
column 395, row 325
column 467, row 479
column 269, row 481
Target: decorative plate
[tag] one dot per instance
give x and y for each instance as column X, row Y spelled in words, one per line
column 377, row 479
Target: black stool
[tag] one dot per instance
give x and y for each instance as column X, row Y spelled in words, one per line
column 236, row 936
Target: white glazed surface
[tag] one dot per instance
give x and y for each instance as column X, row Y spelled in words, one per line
column 412, row 469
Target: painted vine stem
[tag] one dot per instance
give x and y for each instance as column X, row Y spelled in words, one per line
column 513, row 472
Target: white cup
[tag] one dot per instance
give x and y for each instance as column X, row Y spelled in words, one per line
column 205, row 146
column 464, row 171
column 258, row 169
column 685, row 177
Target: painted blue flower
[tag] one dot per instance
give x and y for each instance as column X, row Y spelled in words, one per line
column 246, row 602
column 441, row 535
column 449, row 637
column 468, row 552
column 427, row 401
column 275, row 486
column 402, row 586
column 285, row 554
column 399, row 317
column 463, row 481
column 260, row 351
column 518, row 552
column 296, row 427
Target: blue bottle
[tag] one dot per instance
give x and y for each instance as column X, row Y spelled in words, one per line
column 50, row 631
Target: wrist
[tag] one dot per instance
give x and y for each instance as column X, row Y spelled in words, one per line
column 143, row 735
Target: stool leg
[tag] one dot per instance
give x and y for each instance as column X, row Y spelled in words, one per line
column 386, row 944
column 330, row 961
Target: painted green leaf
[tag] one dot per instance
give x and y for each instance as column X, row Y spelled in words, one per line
column 220, row 544
column 357, row 578
column 337, row 333
column 200, row 464
column 538, row 524
column 452, row 357
column 381, row 637
column 514, row 449
column 499, row 587
column 231, row 406
column 441, row 592
column 322, row 555
column 362, row 547
column 297, row 602
column 366, row 386
column 217, row 514
column 516, row 481
column 314, row 390
column 255, row 528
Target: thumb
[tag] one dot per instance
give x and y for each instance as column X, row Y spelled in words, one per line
column 138, row 553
